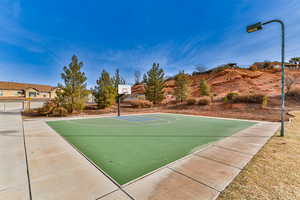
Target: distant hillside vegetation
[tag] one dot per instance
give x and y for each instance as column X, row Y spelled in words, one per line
column 223, row 81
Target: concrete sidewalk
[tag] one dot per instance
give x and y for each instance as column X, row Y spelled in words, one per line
column 13, row 171
column 58, row 171
column 204, row 174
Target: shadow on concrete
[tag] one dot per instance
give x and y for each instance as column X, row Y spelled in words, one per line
column 10, row 133
column 10, row 113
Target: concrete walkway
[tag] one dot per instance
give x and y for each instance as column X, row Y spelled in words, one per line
column 58, row 171
column 204, row 174
column 13, row 171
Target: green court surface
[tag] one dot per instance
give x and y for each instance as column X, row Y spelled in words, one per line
column 128, row 147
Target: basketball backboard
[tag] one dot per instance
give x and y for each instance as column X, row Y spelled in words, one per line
column 124, row 89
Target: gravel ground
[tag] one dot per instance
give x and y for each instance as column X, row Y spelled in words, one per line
column 274, row 173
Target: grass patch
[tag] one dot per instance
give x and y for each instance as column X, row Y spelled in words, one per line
column 274, row 173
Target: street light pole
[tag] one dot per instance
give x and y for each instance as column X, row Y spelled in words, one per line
column 258, row 26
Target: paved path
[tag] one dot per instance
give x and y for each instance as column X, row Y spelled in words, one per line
column 13, row 171
column 204, row 174
column 58, row 171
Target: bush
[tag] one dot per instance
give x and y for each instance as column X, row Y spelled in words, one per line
column 191, row 101
column 52, row 108
column 264, row 101
column 225, row 99
column 231, row 96
column 295, row 93
column 138, row 103
column 204, row 88
column 204, row 101
column 173, row 102
column 253, row 68
column 59, row 112
column 251, row 98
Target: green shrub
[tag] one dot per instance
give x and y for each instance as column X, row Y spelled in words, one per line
column 53, row 108
column 264, row 101
column 138, row 103
column 251, row 98
column 191, row 101
column 225, row 99
column 204, row 101
column 231, row 96
column 204, row 88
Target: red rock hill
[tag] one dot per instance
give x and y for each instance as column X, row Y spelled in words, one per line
column 242, row 81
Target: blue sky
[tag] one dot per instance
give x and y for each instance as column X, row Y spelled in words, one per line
column 37, row 38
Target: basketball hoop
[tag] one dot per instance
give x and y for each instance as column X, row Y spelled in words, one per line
column 122, row 90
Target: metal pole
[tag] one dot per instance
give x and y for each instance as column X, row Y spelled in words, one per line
column 282, row 73
column 119, row 105
column 282, row 79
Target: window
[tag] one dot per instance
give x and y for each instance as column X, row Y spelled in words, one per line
column 21, row 92
column 18, row 93
column 1, row 93
column 32, row 94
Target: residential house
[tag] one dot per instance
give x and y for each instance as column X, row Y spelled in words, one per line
column 13, row 90
column 276, row 65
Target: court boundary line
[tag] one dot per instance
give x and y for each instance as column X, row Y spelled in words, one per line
column 134, row 123
column 130, row 114
column 223, row 118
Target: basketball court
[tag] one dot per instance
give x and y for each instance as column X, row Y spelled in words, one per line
column 128, row 147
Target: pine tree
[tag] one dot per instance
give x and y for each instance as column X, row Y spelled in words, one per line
column 137, row 77
column 105, row 91
column 182, row 84
column 204, row 88
column 117, row 79
column 154, row 84
column 73, row 92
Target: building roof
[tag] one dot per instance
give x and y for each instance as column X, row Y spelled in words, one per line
column 23, row 86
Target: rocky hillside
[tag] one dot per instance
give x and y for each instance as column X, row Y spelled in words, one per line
column 243, row 81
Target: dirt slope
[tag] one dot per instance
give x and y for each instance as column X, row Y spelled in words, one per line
column 243, row 81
